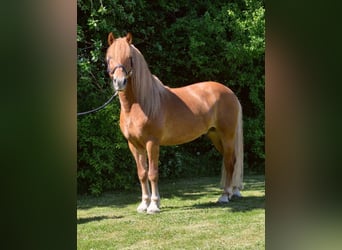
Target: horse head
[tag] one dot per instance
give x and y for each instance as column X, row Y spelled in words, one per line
column 119, row 60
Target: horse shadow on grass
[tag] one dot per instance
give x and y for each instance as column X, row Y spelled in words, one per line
column 194, row 191
column 183, row 189
column 96, row 218
column 241, row 204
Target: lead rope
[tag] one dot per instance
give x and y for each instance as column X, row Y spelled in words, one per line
column 128, row 74
column 99, row 108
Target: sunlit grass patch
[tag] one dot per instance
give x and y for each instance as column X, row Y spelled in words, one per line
column 190, row 218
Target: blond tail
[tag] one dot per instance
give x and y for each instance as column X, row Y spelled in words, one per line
column 238, row 167
column 238, row 151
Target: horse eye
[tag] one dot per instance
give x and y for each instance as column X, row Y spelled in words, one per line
column 109, row 71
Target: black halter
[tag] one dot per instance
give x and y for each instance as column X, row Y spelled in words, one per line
column 128, row 73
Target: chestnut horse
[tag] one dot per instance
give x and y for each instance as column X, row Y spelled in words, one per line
column 153, row 114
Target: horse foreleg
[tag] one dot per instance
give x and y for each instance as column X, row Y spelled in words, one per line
column 153, row 156
column 141, row 162
column 145, row 188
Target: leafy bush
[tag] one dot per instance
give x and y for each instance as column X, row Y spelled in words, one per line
column 183, row 42
column 104, row 160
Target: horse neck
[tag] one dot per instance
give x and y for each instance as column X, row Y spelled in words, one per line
column 142, row 88
column 127, row 97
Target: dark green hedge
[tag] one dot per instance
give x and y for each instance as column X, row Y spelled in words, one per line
column 183, row 42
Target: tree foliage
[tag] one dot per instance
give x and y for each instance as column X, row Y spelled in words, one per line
column 183, row 42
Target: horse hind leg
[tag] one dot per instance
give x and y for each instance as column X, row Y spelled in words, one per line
column 227, row 173
column 215, row 139
column 232, row 165
column 227, row 165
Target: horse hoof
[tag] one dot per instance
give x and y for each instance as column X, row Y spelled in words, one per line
column 236, row 193
column 142, row 207
column 141, row 210
column 223, row 199
column 153, row 209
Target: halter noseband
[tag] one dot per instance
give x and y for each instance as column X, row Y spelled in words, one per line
column 127, row 73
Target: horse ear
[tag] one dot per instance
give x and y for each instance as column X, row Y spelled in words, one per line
column 129, row 38
column 110, row 38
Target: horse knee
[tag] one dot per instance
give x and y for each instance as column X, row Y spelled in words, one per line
column 142, row 174
column 143, row 177
column 153, row 175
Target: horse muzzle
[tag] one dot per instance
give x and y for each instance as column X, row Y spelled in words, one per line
column 119, row 83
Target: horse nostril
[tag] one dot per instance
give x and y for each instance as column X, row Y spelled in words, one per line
column 124, row 81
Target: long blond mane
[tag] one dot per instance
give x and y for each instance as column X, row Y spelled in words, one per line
column 147, row 88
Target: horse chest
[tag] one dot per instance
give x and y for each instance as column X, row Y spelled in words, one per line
column 131, row 128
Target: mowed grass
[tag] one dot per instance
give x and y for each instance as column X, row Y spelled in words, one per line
column 190, row 218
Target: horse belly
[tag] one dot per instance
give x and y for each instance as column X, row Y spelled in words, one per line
column 175, row 134
column 188, row 116
column 177, row 140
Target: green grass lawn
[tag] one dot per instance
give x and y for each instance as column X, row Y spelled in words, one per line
column 190, row 218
